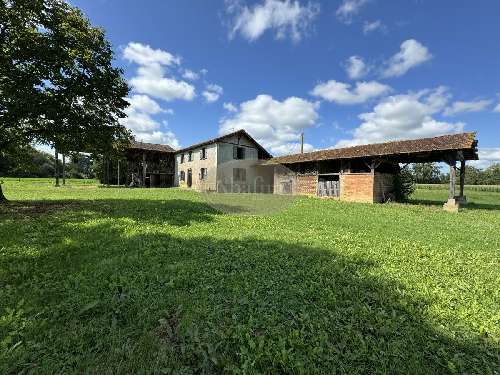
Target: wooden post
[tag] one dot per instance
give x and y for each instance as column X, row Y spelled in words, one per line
column 64, row 169
column 462, row 178
column 453, row 174
column 56, row 167
column 143, row 169
column 118, row 178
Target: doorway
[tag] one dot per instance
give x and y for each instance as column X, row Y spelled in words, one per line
column 329, row 185
column 189, row 181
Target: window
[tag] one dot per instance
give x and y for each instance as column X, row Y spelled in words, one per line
column 203, row 153
column 190, row 156
column 182, row 158
column 238, row 152
column 239, row 174
column 203, row 173
column 182, row 176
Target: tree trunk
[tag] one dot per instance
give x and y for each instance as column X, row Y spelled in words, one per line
column 64, row 169
column 2, row 197
column 56, row 167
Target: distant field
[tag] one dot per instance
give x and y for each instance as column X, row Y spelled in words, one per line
column 98, row 280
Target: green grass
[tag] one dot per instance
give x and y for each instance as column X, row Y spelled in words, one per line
column 96, row 280
column 492, row 188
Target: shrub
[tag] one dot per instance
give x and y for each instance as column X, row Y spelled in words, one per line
column 404, row 185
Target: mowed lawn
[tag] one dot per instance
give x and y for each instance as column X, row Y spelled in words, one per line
column 116, row 280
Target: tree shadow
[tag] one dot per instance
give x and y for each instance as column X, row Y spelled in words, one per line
column 468, row 206
column 98, row 297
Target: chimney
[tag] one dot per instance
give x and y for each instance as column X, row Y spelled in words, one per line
column 302, row 142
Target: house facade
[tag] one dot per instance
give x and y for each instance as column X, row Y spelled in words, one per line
column 231, row 163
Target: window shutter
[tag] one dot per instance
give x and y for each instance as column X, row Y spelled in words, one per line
column 235, row 152
column 243, row 153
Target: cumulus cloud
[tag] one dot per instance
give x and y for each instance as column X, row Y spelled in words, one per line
column 472, row 106
column 404, row 117
column 230, row 107
column 212, row 93
column 487, row 157
column 275, row 124
column 497, row 108
column 344, row 93
column 348, row 9
column 145, row 55
column 287, row 18
column 151, row 76
column 411, row 54
column 356, row 68
column 369, row 27
column 190, row 75
column 144, row 127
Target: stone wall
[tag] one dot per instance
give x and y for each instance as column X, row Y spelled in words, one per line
column 357, row 187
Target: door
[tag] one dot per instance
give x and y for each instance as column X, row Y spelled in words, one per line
column 189, row 181
column 329, row 186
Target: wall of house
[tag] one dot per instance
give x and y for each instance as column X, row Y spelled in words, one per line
column 285, row 180
column 357, row 187
column 259, row 179
column 383, row 186
column 195, row 165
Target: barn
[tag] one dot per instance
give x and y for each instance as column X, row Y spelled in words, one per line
column 366, row 173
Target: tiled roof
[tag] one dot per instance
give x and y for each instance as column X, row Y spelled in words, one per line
column 150, row 147
column 454, row 142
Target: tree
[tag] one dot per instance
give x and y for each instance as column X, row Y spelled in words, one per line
column 426, row 173
column 57, row 82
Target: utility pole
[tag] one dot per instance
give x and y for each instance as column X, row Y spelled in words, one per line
column 302, row 142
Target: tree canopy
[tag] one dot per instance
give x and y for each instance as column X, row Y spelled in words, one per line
column 57, row 82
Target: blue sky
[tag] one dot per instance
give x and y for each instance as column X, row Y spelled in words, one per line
column 344, row 72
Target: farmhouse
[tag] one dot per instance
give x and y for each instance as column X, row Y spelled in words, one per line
column 237, row 163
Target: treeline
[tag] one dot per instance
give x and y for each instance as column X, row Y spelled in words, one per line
column 430, row 173
column 30, row 162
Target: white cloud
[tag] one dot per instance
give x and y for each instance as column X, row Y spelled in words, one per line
column 356, row 68
column 348, row 9
column 142, row 124
column 143, row 54
column 342, row 93
column 411, row 54
column 404, row 117
column 369, row 27
column 212, row 93
column 275, row 124
column 497, row 108
column 288, row 18
column 151, row 78
column 487, row 157
column 189, row 74
column 473, row 106
column 230, row 107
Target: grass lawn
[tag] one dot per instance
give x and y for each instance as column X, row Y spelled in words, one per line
column 96, row 280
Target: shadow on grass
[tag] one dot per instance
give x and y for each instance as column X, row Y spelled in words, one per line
column 102, row 298
column 469, row 205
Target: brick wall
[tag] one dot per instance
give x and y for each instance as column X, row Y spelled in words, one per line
column 307, row 185
column 357, row 187
column 383, row 184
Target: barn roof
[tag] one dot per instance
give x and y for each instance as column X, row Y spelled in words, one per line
column 221, row 138
column 150, row 147
column 415, row 150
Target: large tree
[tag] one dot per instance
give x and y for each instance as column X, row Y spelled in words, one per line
column 57, row 82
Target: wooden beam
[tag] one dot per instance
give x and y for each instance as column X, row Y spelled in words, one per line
column 462, row 177
column 453, row 173
column 144, row 169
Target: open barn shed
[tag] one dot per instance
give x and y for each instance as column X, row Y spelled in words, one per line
column 150, row 165
column 366, row 173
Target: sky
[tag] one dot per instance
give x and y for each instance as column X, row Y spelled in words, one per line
column 344, row 72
